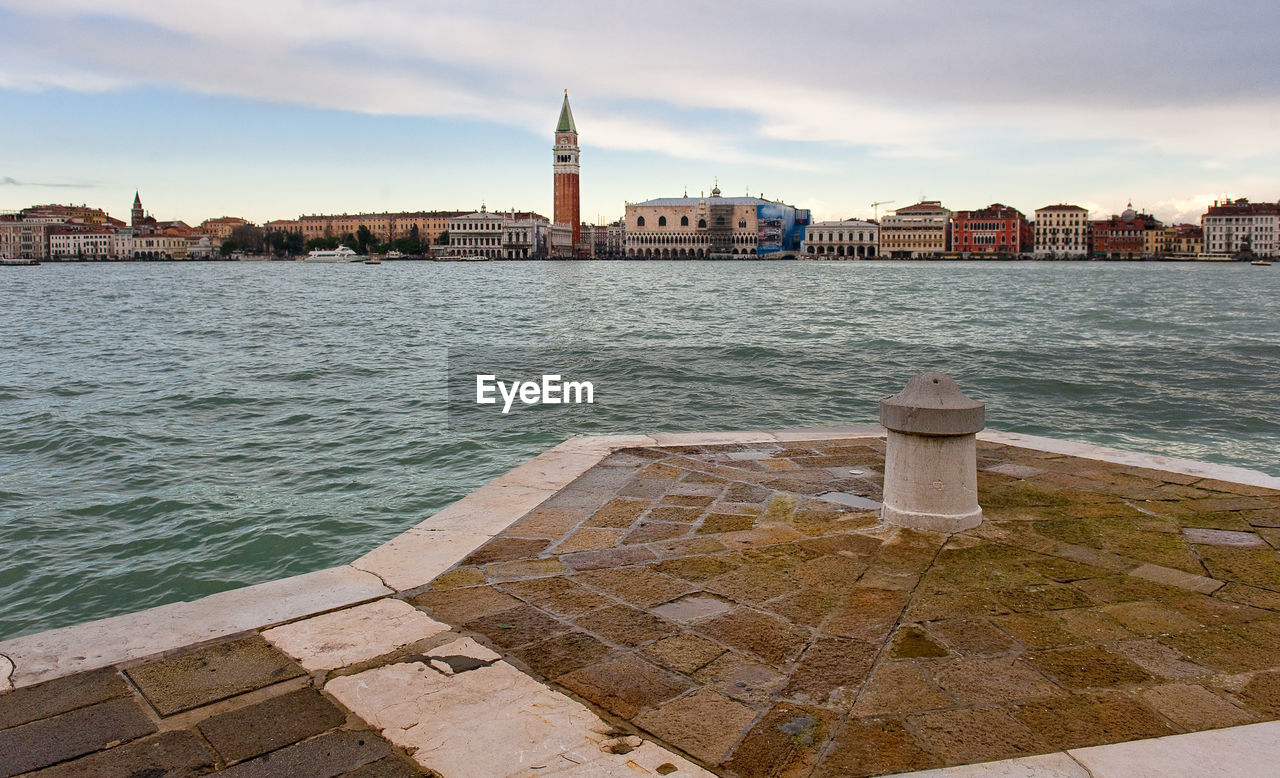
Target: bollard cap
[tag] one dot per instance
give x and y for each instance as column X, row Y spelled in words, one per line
column 932, row 404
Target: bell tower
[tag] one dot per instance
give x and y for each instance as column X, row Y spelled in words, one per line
column 565, row 167
column 137, row 215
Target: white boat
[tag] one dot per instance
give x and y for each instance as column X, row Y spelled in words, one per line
column 340, row 254
column 463, row 259
column 393, row 254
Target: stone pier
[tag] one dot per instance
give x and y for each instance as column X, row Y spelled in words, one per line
column 725, row 603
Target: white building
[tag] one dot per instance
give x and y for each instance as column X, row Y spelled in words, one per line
column 848, row 239
column 93, row 243
column 1230, row 225
column 1061, row 232
column 916, row 231
column 499, row 235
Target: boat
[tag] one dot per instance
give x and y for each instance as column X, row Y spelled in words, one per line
column 373, row 261
column 340, row 254
column 8, row 262
column 463, row 259
column 1261, row 263
column 393, row 254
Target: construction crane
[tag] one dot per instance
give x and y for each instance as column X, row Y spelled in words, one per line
column 876, row 207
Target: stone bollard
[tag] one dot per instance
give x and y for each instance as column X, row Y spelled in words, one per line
column 931, row 459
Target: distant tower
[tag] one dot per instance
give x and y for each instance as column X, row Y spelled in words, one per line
column 138, row 215
column 566, row 172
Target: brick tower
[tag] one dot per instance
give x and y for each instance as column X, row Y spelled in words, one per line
column 138, row 214
column 566, row 173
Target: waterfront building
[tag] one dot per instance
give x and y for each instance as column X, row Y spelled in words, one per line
column 565, row 188
column 1061, row 232
column 220, row 229
column 21, row 239
column 713, row 227
column 167, row 245
column 604, row 241
column 385, row 227
column 1122, row 236
column 1231, row 225
column 997, row 229
column 848, row 239
column 81, row 242
column 64, row 214
column 499, row 235
column 916, row 231
column 1186, row 241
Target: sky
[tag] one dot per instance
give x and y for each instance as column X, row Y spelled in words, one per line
column 270, row 110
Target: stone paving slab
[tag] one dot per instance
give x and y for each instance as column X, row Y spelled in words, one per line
column 200, row 677
column 354, row 635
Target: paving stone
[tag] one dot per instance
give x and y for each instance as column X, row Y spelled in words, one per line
column 459, row 656
column 274, row 723
column 693, row 607
column 1229, row 649
column 873, row 746
column 523, row 568
column 557, row 595
column 353, row 635
column 386, row 767
column 1212, row 611
column 562, row 654
column 1253, row 566
column 325, row 756
column 1087, row 667
column 899, row 688
column 624, row 685
column 991, row 680
column 688, row 500
column 619, row 513
column 1160, row 660
column 1125, row 588
column 1178, row 578
column 546, row 523
column 1251, row 750
column 639, row 586
column 1262, row 693
column 671, row 513
column 503, row 549
column 911, row 642
column 737, row 676
column 808, row 606
column 458, row 606
column 724, row 522
column 166, row 754
column 60, row 695
column 517, row 626
column 701, row 568
column 752, row 584
column 646, row 488
column 1045, row 597
column 683, row 547
column 1042, row 766
column 1037, row 630
column 1215, row 537
column 206, row 675
column 625, row 625
column 459, row 578
column 976, row 735
column 1089, row 719
column 867, row 614
column 1192, row 707
column 831, row 672
column 1092, row 625
column 705, row 724
column 1151, row 618
column 649, row 531
column 973, row 636
column 68, row 735
column 785, row 742
column 607, row 558
column 684, row 653
column 587, row 539
column 765, row 636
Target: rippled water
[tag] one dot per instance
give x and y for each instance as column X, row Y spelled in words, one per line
column 172, row 430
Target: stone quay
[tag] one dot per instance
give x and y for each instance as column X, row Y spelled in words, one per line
column 724, row 603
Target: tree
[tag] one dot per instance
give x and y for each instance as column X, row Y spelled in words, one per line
column 228, row 246
column 321, row 244
column 364, row 237
column 443, row 238
column 249, row 238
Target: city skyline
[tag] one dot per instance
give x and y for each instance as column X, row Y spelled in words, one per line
column 330, row 107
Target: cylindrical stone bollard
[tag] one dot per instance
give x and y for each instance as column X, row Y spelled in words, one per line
column 931, row 458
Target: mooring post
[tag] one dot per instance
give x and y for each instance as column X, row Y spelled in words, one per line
column 931, row 459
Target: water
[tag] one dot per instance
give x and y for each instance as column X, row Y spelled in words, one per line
column 172, row 430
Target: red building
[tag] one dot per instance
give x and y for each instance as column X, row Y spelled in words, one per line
column 996, row 229
column 1123, row 236
column 565, row 169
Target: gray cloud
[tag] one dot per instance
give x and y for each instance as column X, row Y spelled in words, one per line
column 10, row 181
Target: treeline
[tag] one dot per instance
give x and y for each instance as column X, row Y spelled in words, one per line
column 255, row 240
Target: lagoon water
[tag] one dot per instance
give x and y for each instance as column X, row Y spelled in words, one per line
column 172, row 430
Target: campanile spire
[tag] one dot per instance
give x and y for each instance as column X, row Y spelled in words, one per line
column 565, row 172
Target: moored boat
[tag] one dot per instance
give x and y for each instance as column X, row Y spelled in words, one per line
column 340, row 254
column 10, row 262
column 1261, row 262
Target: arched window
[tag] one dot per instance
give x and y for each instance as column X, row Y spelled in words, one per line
column 639, row 221
column 662, row 221
column 742, row 223
column 684, row 221
column 702, row 223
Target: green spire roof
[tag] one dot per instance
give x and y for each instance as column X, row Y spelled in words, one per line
column 566, row 117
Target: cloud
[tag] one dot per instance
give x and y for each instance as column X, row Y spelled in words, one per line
column 9, row 181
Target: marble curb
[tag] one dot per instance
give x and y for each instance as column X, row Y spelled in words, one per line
column 1246, row 751
column 1236, row 475
column 58, row 652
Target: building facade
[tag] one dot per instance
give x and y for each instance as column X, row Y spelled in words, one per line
column 20, row 239
column 997, row 229
column 1061, row 232
column 605, row 241
column 94, row 243
column 917, row 231
column 1232, row 225
column 499, row 235
column 848, row 239
column 385, row 227
column 712, row 227
column 565, row 170
column 220, row 229
column 1122, row 236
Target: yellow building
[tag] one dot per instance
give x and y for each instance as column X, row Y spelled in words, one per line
column 916, row 231
column 385, row 227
